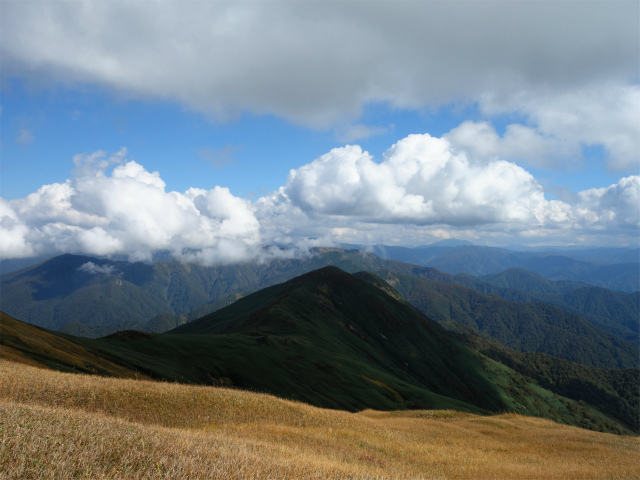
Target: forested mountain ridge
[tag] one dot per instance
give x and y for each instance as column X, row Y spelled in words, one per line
column 335, row 340
column 95, row 297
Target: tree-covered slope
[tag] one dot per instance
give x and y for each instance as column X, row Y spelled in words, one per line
column 616, row 312
column 527, row 327
column 614, row 392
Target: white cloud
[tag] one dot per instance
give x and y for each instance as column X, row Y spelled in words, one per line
column 421, row 180
column 519, row 142
column 606, row 115
column 616, row 206
column 13, row 234
column 569, row 67
column 94, row 269
column 424, row 189
column 127, row 212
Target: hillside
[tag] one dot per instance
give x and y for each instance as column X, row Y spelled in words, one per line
column 31, row 345
column 51, row 420
column 614, row 392
column 527, row 327
column 616, row 312
column 332, row 339
column 95, row 297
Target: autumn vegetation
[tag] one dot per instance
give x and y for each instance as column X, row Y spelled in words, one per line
column 61, row 425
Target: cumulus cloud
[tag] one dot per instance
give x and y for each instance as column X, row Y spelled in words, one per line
column 13, row 234
column 606, row 115
column 426, row 189
column 94, row 269
column 423, row 189
column 566, row 66
column 127, row 211
column 519, row 142
column 421, row 180
column 616, row 206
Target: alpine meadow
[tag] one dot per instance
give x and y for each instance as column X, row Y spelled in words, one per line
column 320, row 240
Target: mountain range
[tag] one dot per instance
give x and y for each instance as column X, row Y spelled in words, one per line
column 330, row 339
column 96, row 297
column 613, row 268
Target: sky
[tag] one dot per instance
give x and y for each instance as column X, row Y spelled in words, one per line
column 217, row 131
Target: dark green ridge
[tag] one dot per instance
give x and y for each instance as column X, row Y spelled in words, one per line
column 59, row 295
column 528, row 327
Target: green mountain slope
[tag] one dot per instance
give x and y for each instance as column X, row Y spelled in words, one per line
column 531, row 282
column 332, row 339
column 24, row 343
column 527, row 327
column 335, row 340
column 65, row 295
column 614, row 392
column 616, row 312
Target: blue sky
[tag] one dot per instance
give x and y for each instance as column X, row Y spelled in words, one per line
column 504, row 123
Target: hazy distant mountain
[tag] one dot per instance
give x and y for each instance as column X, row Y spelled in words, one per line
column 612, row 268
column 600, row 255
column 12, row 264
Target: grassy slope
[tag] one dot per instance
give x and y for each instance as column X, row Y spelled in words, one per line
column 35, row 346
column 56, row 425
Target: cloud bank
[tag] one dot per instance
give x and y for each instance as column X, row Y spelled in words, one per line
column 128, row 212
column 570, row 69
column 424, row 188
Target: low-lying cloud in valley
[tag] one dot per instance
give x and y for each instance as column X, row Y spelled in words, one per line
column 424, row 187
column 93, row 269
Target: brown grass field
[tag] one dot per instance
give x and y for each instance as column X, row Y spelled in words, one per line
column 57, row 425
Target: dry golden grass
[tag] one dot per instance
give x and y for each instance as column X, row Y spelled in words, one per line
column 20, row 341
column 56, row 425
